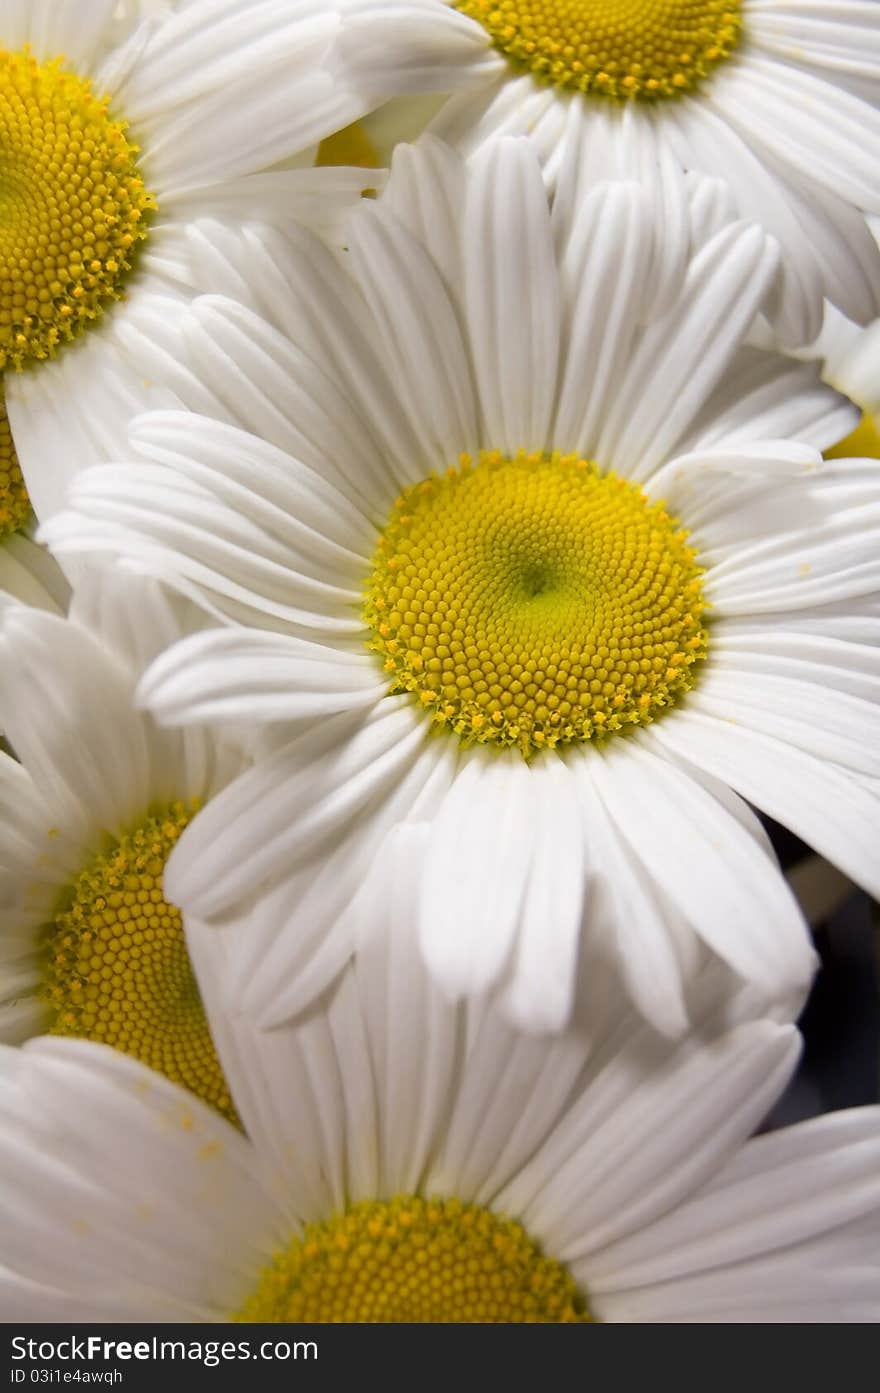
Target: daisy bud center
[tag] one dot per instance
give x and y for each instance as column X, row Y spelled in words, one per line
column 535, row 601
column 15, row 508
column 117, row 968
column 862, row 443
column 72, row 207
column 412, row 1260
column 613, row 48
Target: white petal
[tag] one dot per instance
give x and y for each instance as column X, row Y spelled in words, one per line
column 25, row 820
column 511, row 1092
column 294, row 1085
column 607, row 143
column 512, row 296
column 420, row 333
column 682, row 355
column 427, row 192
column 273, row 677
column 684, row 481
column 206, row 97
column 623, row 907
column 816, row 128
column 124, row 1182
column 542, row 973
column 287, row 949
column 839, row 663
column 284, row 810
column 68, row 710
column 830, row 810
column 476, row 872
column 811, row 715
column 705, row 141
column 55, row 27
column 412, row 1029
column 605, row 265
column 765, row 396
column 271, row 388
column 214, row 452
column 615, row 1163
column 73, row 412
column 841, row 36
column 393, row 46
column 218, row 525
column 29, row 574
column 190, row 53
column 721, row 880
column 328, row 321
column 780, row 1190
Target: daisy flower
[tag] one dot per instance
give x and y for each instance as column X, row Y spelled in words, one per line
column 525, row 557
column 122, row 138
column 88, row 814
column 777, row 97
column 409, row 1160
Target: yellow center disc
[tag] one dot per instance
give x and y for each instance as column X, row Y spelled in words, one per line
column 350, row 146
column 535, row 601
column 645, row 49
column 414, row 1260
column 72, row 207
column 118, row 969
column 15, row 508
column 862, row 443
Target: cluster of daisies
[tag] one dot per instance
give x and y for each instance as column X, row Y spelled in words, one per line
column 439, row 511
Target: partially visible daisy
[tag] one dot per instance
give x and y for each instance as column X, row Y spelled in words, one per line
column 408, row 1161
column 27, row 571
column 120, row 140
column 529, row 559
column 777, row 97
column 851, row 363
column 89, row 812
column 30, row 575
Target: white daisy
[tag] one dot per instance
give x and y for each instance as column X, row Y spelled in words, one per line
column 777, row 97
column 89, row 947
column 121, row 139
column 448, row 537
column 409, row 1161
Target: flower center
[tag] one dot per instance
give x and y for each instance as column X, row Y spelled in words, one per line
column 862, row 443
column 15, row 507
column 535, row 601
column 117, row 968
column 72, row 207
column 413, row 1260
column 613, row 48
column 350, row 146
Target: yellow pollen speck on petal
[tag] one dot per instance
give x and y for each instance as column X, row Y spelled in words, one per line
column 862, row 443
column 534, row 601
column 117, row 970
column 624, row 49
column 15, row 507
column 72, row 207
column 411, row 1260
